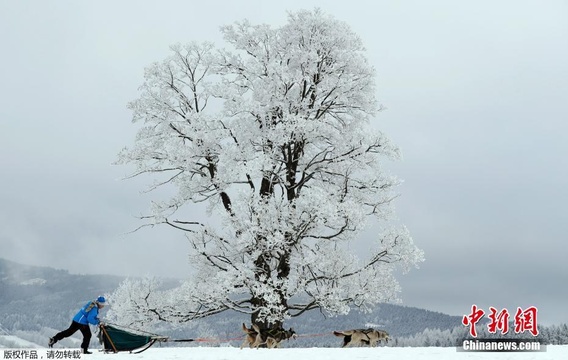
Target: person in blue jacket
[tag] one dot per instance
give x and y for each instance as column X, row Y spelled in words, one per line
column 89, row 314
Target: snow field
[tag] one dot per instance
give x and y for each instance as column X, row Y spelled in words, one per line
column 554, row 352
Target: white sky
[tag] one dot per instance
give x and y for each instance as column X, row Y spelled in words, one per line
column 476, row 95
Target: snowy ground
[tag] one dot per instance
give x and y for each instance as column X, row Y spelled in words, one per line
column 382, row 353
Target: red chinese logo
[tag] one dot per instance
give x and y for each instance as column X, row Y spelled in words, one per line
column 524, row 320
column 498, row 321
column 472, row 319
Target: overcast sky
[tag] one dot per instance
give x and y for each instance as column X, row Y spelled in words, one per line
column 476, row 95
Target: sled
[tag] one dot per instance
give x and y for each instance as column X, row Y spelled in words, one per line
column 115, row 339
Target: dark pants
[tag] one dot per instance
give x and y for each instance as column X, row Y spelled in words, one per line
column 85, row 330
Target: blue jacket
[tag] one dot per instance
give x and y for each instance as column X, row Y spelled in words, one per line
column 88, row 314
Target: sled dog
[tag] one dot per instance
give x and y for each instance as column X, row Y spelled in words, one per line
column 272, row 337
column 362, row 337
column 250, row 337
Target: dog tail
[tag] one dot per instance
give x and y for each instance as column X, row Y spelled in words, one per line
column 338, row 333
column 245, row 329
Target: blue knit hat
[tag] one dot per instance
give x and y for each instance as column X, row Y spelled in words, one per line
column 101, row 300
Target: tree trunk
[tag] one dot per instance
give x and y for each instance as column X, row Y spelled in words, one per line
column 263, row 270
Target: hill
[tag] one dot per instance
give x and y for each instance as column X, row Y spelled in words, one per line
column 34, row 297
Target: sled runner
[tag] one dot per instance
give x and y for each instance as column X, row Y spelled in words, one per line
column 115, row 339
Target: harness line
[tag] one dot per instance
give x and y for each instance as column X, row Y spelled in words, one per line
column 205, row 340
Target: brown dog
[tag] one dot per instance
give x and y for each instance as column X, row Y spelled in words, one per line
column 270, row 338
column 362, row 337
column 250, row 337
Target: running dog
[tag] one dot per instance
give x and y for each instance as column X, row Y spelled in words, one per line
column 362, row 337
column 250, row 337
column 270, row 338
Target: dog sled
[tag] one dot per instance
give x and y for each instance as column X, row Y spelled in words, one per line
column 114, row 339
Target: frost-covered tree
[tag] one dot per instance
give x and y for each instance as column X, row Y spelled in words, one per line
column 275, row 134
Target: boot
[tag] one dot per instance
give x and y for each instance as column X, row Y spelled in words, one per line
column 51, row 342
column 85, row 351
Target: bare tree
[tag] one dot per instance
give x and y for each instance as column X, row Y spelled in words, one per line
column 276, row 136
